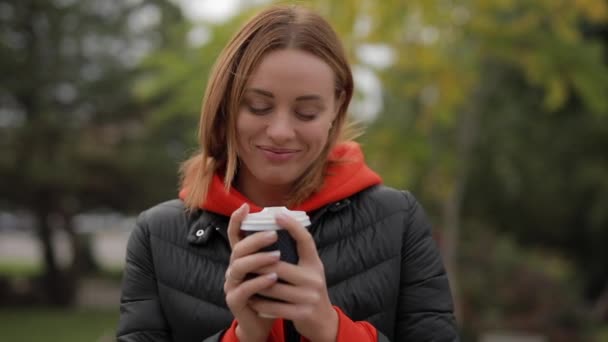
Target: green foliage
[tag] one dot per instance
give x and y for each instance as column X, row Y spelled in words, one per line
column 515, row 289
column 173, row 80
column 45, row 325
column 66, row 77
column 444, row 47
column 546, row 172
column 73, row 137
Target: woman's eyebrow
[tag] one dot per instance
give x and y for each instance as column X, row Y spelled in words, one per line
column 271, row 95
column 308, row 97
column 260, row 91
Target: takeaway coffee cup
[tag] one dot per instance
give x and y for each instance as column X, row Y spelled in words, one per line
column 265, row 221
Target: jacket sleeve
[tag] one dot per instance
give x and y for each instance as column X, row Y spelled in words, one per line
column 425, row 310
column 276, row 332
column 348, row 330
column 141, row 316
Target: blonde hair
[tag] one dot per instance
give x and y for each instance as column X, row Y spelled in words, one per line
column 278, row 27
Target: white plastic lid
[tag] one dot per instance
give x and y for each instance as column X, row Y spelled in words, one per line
column 265, row 219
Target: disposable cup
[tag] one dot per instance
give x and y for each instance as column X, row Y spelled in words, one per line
column 265, row 220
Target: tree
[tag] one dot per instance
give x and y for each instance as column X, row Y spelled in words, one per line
column 72, row 135
column 441, row 86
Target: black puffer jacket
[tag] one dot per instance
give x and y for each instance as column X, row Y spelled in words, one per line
column 381, row 265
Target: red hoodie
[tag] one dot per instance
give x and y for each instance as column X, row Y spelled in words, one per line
column 343, row 179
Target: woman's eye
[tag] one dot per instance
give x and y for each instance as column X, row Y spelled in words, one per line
column 307, row 113
column 306, row 116
column 259, row 110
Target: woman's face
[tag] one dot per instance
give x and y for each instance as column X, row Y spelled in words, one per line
column 284, row 119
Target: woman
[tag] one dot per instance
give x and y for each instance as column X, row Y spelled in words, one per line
column 272, row 133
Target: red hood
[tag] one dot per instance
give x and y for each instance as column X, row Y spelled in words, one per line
column 343, row 179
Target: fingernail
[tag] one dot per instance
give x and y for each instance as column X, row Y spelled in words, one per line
column 272, row 276
column 243, row 207
column 239, row 210
column 263, row 315
column 276, row 254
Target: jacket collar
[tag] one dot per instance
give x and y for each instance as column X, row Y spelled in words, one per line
column 205, row 225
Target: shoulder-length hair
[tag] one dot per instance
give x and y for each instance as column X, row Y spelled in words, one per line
column 278, row 27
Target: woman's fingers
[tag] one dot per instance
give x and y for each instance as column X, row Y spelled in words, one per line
column 245, row 259
column 291, row 294
column 297, row 299
column 252, row 244
column 238, row 296
column 307, row 250
column 234, row 226
column 239, row 268
column 293, row 274
column 274, row 309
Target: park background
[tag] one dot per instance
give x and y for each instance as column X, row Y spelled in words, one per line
column 494, row 113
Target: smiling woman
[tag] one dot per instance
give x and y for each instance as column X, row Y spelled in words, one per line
column 283, row 124
column 273, row 134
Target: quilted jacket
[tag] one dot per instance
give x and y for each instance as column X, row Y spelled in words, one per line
column 380, row 260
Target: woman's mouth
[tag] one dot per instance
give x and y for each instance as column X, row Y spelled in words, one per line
column 276, row 154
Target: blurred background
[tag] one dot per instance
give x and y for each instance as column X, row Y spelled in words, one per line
column 494, row 113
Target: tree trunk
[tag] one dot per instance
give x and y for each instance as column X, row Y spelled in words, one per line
column 58, row 286
column 45, row 236
column 468, row 126
column 82, row 249
column 600, row 307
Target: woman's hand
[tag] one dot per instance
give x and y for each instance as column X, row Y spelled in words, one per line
column 306, row 301
column 246, row 259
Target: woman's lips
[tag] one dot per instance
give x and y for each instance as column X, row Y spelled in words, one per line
column 274, row 154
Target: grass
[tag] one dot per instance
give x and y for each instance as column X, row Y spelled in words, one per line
column 23, row 269
column 19, row 268
column 111, row 273
column 50, row 325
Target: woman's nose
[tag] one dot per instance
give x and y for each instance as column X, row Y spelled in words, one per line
column 280, row 128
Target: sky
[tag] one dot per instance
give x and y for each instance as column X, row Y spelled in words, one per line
column 213, row 10
column 209, row 10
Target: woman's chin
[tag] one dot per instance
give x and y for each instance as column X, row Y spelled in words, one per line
column 277, row 179
column 279, row 182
